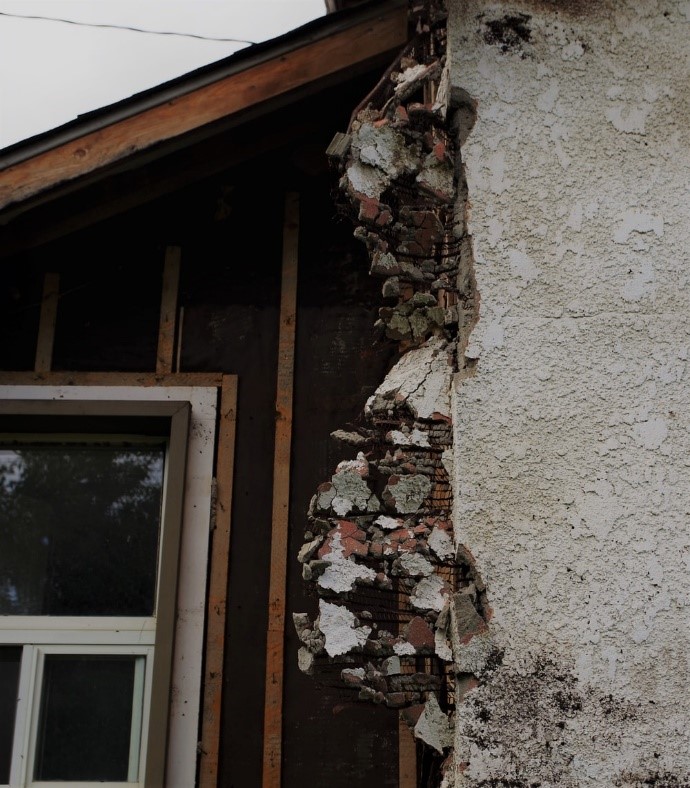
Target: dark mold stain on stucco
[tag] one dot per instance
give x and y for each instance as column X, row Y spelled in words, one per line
column 529, row 715
column 571, row 8
column 509, row 32
column 652, row 779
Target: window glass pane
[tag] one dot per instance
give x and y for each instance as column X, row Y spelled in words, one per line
column 79, row 528
column 85, row 723
column 10, row 658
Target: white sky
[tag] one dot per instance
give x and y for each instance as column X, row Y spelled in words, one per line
column 51, row 72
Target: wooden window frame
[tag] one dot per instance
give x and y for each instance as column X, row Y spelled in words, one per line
column 169, row 396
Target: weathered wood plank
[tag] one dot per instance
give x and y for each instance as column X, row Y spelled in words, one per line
column 46, row 325
column 166, row 329
column 407, row 756
column 273, row 704
column 109, row 379
column 218, row 586
column 204, row 105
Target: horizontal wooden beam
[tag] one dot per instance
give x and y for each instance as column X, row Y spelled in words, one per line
column 202, row 106
column 191, row 379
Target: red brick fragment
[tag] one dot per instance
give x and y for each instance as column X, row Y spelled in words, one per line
column 419, row 634
column 368, row 209
column 400, row 535
column 439, row 151
column 353, row 547
column 345, row 528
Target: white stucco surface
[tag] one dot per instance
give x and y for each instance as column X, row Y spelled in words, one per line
column 572, row 462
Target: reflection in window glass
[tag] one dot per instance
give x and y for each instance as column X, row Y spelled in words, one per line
column 87, row 709
column 10, row 658
column 79, row 528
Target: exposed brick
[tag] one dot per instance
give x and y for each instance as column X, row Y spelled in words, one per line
column 419, row 634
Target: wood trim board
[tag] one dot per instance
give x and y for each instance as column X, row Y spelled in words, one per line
column 47, row 321
column 168, row 316
column 273, row 704
column 216, row 614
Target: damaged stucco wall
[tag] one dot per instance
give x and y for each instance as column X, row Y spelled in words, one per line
column 572, row 440
column 379, row 547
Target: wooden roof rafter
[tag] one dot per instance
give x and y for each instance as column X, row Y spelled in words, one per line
column 206, row 97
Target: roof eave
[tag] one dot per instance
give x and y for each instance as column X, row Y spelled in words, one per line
column 315, row 51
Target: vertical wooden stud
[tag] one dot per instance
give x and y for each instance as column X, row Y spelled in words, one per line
column 46, row 325
column 407, row 756
column 273, row 704
column 218, row 585
column 166, row 329
column 407, row 747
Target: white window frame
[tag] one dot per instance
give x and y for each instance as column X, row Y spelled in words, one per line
column 171, row 703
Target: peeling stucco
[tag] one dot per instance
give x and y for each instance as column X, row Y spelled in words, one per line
column 571, row 433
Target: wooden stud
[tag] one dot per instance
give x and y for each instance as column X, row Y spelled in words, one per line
column 407, row 756
column 46, row 325
column 166, row 330
column 218, row 585
column 273, row 705
column 180, row 329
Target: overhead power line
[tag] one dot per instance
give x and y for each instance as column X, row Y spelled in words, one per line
column 126, row 27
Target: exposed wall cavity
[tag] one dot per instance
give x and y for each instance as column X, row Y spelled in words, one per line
column 572, row 435
column 401, row 609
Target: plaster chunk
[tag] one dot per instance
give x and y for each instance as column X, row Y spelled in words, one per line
column 442, row 647
column 422, row 379
column 391, row 666
column 407, row 493
column 343, row 574
column 305, row 660
column 360, row 465
column 308, row 549
column 415, row 438
column 338, row 625
column 433, row 726
column 429, row 594
column 366, row 180
column 384, row 148
column 404, row 649
column 473, row 645
column 437, row 178
column 416, row 565
column 441, row 543
column 409, row 75
column 324, row 499
column 389, row 523
column 351, row 493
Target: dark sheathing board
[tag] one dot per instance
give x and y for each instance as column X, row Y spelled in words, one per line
column 330, row 738
column 230, row 230
column 21, row 286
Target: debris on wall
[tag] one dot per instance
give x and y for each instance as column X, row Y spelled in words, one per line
column 399, row 610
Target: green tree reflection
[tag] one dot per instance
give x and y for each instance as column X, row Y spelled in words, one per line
column 79, row 528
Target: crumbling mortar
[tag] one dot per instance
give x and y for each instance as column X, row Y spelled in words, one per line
column 379, row 542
